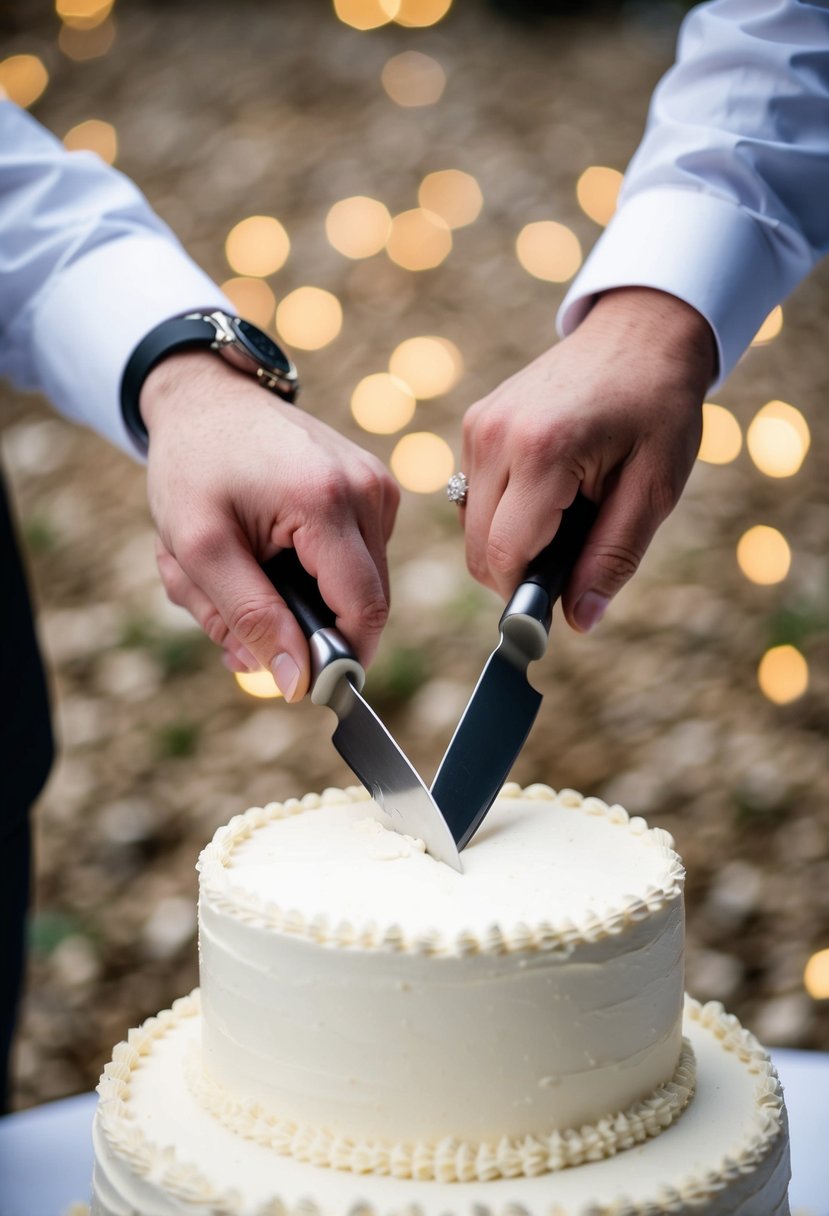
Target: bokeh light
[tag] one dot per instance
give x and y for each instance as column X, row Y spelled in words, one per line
column 422, row 462
column 358, row 227
column 382, row 404
column 23, row 78
column 257, row 683
column 83, row 14
column 597, row 191
column 549, row 251
column 783, row 674
column 418, row 240
column 722, row 438
column 419, row 13
column 429, row 365
column 309, row 318
column 83, row 42
column 763, row 555
column 816, row 976
column 413, row 79
column 257, row 246
column 94, row 135
column 366, row 14
column 453, row 195
column 253, row 300
column 770, row 328
column 778, row 439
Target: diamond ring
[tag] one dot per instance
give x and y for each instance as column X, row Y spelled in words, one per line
column 456, row 489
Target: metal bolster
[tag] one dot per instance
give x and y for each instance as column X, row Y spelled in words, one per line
column 526, row 620
column 331, row 659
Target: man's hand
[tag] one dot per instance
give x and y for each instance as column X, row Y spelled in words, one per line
column 613, row 410
column 234, row 475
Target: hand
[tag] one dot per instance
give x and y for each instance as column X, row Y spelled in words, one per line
column 615, row 410
column 234, row 475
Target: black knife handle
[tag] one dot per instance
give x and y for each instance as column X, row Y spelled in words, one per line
column 332, row 657
column 526, row 620
column 552, row 567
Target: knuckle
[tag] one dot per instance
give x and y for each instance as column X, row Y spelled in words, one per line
column 199, row 545
column 500, row 556
column 330, row 491
column 251, row 621
column 617, row 563
column 373, row 615
column 214, row 627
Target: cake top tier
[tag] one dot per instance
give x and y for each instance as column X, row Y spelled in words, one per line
column 545, row 870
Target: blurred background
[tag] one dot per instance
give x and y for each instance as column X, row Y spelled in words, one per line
column 400, row 190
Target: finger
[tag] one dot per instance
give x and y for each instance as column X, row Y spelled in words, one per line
column 628, row 517
column 487, row 475
column 182, row 591
column 225, row 570
column 350, row 583
column 525, row 521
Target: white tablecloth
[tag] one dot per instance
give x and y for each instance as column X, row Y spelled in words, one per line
column 46, row 1153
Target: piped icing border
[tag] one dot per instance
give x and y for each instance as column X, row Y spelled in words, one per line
column 560, row 938
column 449, row 1159
column 188, row 1184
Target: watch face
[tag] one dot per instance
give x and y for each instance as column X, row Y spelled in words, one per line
column 263, row 348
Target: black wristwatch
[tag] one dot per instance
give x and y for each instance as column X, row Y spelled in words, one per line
column 242, row 344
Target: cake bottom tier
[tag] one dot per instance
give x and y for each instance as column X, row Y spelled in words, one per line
column 159, row 1153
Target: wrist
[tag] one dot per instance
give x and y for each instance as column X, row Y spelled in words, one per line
column 198, row 370
column 660, row 325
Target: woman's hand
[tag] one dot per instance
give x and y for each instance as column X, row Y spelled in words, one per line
column 234, row 475
column 613, row 410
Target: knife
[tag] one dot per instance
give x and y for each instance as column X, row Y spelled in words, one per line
column 359, row 736
column 498, row 717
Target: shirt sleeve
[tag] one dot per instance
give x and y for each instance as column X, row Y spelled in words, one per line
column 86, row 271
column 724, row 204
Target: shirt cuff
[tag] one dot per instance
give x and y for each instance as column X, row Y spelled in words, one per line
column 702, row 249
column 96, row 312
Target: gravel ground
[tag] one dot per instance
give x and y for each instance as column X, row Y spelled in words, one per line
column 227, row 111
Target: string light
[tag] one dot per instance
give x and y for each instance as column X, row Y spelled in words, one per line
column 366, row 14
column 257, row 246
column 382, row 404
column 257, row 683
column 252, row 299
column 783, row 674
column 420, row 13
column 418, row 240
column 430, row 365
column 309, row 318
column 83, row 14
column 763, row 555
column 83, row 42
column 93, row 136
column 816, row 976
column 453, row 195
column 770, row 328
column 548, row 251
column 422, row 462
column 778, row 439
column 722, row 438
column 413, row 79
column 358, row 227
column 23, row 79
column 597, row 191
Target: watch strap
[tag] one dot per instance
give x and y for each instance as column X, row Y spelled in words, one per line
column 170, row 337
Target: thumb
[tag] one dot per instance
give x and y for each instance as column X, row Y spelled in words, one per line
column 626, row 523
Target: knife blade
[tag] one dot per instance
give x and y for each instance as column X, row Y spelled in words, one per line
column 359, row 736
column 500, row 713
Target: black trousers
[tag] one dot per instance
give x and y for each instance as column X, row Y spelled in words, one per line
column 26, row 750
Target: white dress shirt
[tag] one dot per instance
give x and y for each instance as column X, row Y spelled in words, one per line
column 726, row 202
column 86, row 271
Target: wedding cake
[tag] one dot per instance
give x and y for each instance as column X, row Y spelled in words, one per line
column 378, row 1035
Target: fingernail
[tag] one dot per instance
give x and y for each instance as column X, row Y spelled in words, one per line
column 590, row 609
column 286, row 675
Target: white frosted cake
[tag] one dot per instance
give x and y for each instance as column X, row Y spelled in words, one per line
column 377, row 1035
